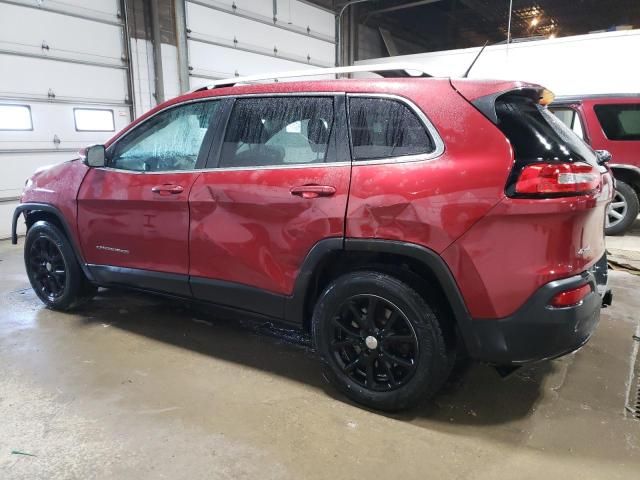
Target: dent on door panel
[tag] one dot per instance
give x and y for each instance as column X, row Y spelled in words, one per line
column 248, row 228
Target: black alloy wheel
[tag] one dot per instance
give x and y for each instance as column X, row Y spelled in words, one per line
column 381, row 342
column 374, row 343
column 47, row 268
column 53, row 269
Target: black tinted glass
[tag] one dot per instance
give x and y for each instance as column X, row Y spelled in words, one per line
column 536, row 134
column 620, row 122
column 278, row 131
column 384, row 128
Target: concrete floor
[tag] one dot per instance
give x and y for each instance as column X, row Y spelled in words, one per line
column 135, row 386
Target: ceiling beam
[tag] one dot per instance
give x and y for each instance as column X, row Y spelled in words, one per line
column 402, row 7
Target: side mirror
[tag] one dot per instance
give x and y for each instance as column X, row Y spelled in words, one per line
column 604, row 156
column 95, row 156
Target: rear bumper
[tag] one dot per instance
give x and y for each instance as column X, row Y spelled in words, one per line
column 538, row 332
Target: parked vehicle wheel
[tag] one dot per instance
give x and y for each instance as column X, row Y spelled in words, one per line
column 623, row 210
column 382, row 343
column 53, row 269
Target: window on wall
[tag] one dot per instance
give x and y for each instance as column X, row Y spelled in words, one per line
column 93, row 120
column 384, row 128
column 15, row 117
column 171, row 140
column 278, row 131
column 620, row 122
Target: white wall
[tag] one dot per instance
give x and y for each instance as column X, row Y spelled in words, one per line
column 595, row 63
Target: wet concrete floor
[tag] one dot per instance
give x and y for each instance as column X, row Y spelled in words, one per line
column 135, row 386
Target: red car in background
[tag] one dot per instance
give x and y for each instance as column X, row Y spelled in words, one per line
column 612, row 123
column 399, row 221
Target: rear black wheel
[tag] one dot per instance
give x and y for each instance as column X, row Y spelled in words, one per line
column 53, row 269
column 374, row 343
column 382, row 343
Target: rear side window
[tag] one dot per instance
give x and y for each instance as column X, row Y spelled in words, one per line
column 278, row 131
column 385, row 128
column 619, row 122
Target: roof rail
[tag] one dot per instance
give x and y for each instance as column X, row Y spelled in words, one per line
column 384, row 69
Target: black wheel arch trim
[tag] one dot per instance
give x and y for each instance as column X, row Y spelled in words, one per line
column 46, row 207
column 294, row 308
column 295, row 304
column 631, row 170
column 437, row 266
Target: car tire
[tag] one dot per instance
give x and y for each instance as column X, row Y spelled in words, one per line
column 397, row 363
column 625, row 203
column 53, row 269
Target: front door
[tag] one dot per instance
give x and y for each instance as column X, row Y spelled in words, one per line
column 280, row 186
column 133, row 215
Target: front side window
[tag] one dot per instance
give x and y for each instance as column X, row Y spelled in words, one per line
column 571, row 118
column 169, row 141
column 620, row 121
column 278, row 131
column 385, row 128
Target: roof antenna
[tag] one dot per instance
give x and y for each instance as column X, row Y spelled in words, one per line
column 466, row 74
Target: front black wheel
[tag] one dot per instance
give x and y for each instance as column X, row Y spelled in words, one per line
column 382, row 343
column 53, row 269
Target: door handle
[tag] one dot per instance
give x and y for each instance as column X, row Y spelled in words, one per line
column 167, row 188
column 313, row 191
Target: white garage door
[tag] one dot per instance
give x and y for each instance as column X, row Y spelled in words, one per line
column 64, row 84
column 231, row 38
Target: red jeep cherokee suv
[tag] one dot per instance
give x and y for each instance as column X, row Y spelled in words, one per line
column 398, row 220
column 612, row 123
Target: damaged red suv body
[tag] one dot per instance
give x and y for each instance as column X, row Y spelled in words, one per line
column 398, row 220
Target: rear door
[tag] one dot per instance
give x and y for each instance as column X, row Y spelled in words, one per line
column 134, row 213
column 279, row 185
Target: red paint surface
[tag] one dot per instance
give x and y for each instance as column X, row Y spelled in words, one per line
column 247, row 227
column 433, row 202
column 119, row 210
column 58, row 185
column 523, row 244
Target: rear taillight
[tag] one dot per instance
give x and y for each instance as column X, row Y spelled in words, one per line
column 558, row 179
column 570, row 298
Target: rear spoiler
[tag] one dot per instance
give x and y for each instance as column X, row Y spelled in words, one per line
column 483, row 95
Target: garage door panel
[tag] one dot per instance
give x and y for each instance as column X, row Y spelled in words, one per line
column 17, row 167
column 261, row 7
column 36, row 76
column 223, row 62
column 62, row 34
column 251, row 34
column 51, row 120
column 304, row 15
column 106, row 9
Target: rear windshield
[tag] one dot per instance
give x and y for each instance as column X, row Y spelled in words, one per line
column 619, row 122
column 536, row 134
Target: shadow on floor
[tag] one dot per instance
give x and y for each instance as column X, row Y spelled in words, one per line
column 475, row 395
